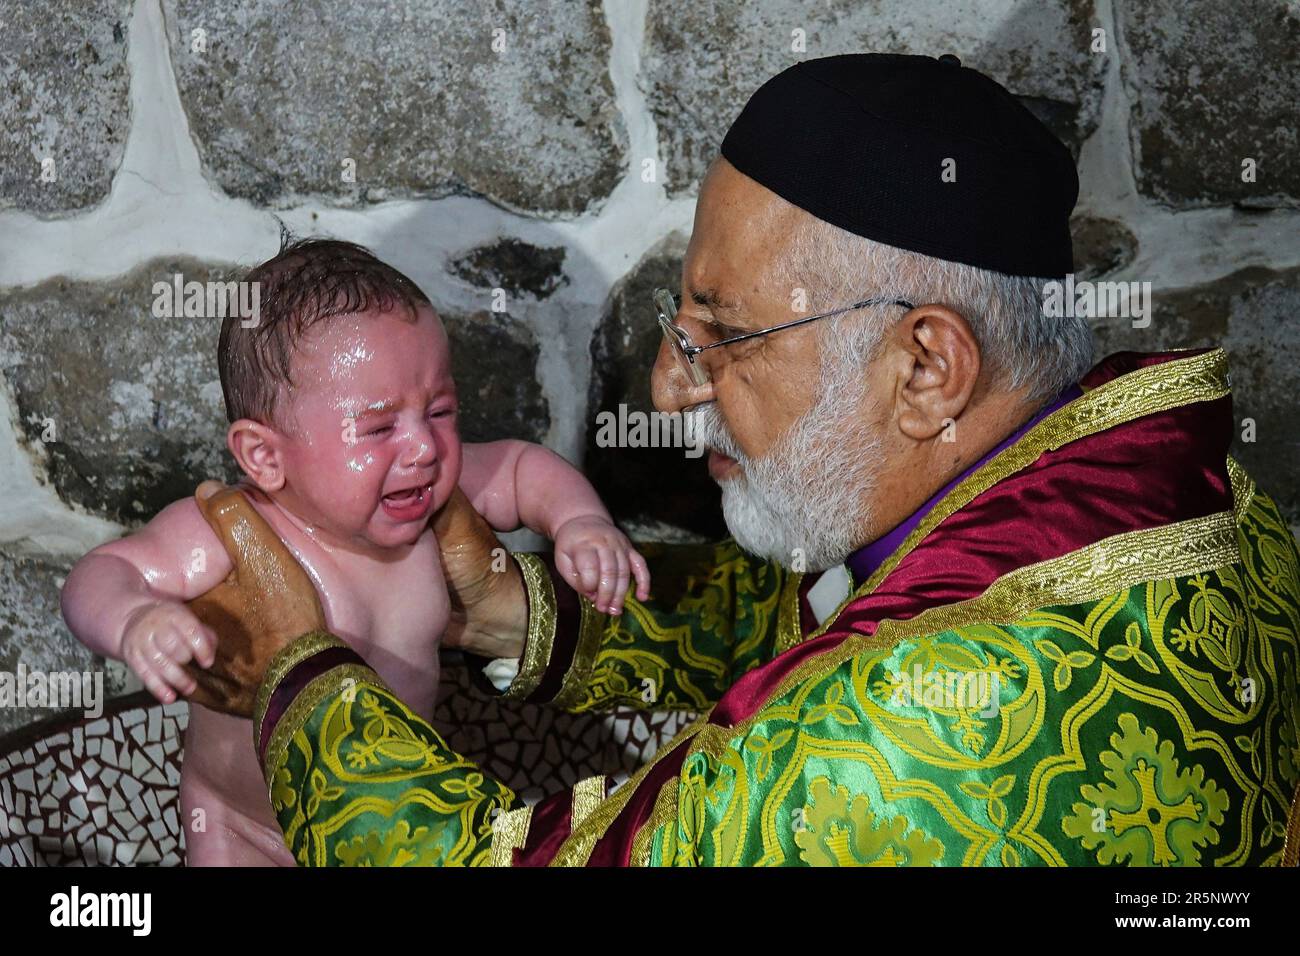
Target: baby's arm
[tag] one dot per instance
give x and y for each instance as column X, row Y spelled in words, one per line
column 514, row 482
column 125, row 598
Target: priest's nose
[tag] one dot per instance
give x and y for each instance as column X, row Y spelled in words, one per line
column 670, row 389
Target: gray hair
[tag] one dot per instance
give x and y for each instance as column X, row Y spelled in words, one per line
column 1020, row 346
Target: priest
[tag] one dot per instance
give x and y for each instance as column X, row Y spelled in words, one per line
column 985, row 602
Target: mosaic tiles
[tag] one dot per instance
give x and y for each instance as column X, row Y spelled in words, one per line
column 104, row 791
column 94, row 792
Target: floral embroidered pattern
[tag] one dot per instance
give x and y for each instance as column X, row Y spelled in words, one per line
column 1150, row 813
column 397, row 846
column 840, row 832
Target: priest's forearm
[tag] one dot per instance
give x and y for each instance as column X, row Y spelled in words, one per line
column 356, row 778
column 715, row 612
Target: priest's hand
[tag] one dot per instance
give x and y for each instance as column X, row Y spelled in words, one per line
column 265, row 602
column 489, row 605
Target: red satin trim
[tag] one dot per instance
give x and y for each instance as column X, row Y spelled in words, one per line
column 568, row 616
column 1156, row 470
column 1121, row 363
column 549, row 827
column 294, row 682
column 615, row 847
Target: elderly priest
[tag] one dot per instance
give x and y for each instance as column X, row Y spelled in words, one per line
column 986, row 602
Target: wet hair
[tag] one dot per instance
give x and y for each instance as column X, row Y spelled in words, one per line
column 308, row 281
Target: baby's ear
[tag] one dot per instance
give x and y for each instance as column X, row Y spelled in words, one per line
column 256, row 448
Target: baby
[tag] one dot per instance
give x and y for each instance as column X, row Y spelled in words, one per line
column 343, row 419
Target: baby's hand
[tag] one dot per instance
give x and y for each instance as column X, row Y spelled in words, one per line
column 158, row 639
column 595, row 558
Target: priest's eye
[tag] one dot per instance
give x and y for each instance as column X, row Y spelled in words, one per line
column 715, row 329
column 721, row 331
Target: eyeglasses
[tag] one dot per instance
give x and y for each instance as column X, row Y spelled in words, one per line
column 680, row 340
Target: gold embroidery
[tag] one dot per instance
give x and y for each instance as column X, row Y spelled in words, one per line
column 285, row 660
column 587, row 795
column 1291, row 843
column 665, row 810
column 300, row 709
column 510, row 833
column 831, row 812
column 788, row 631
column 1186, row 795
column 1243, row 488
column 396, row 847
column 541, row 626
column 1108, row 566
column 590, row 630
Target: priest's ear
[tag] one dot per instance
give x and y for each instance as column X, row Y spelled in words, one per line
column 256, row 448
column 938, row 363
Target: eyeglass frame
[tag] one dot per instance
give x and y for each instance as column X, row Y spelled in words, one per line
column 680, row 340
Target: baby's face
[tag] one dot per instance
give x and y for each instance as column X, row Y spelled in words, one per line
column 370, row 447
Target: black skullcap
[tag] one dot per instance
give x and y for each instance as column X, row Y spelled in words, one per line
column 860, row 142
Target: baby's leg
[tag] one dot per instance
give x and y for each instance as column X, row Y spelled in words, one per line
column 225, row 845
column 221, row 835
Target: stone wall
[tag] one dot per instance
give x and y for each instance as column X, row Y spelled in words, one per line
column 542, row 159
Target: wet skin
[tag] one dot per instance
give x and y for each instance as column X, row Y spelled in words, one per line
column 362, row 452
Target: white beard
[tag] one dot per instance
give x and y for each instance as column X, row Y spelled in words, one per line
column 806, row 503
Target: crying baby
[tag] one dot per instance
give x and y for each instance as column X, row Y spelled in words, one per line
column 343, row 415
